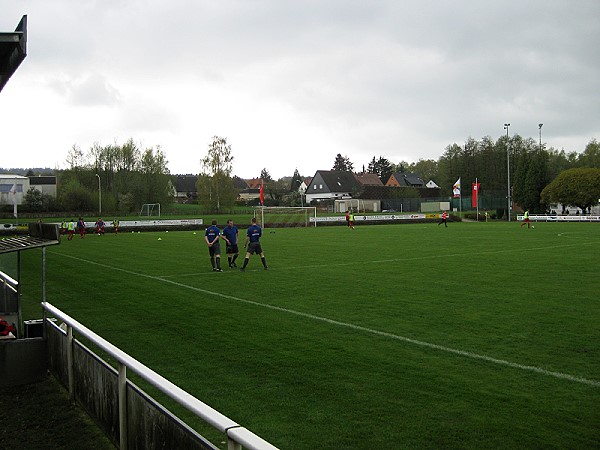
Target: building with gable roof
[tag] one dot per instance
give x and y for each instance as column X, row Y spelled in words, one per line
column 368, row 179
column 405, row 179
column 331, row 185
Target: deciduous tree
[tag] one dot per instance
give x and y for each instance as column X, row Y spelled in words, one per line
column 579, row 187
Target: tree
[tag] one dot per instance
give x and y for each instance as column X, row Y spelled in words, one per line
column 265, row 176
column 591, row 155
column 343, row 163
column 75, row 157
column 296, row 181
column 216, row 189
column 579, row 187
column 427, row 169
column 219, row 158
column 33, row 199
column 382, row 167
column 530, row 179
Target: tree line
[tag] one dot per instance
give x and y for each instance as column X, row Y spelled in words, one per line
column 128, row 176
column 533, row 167
column 121, row 177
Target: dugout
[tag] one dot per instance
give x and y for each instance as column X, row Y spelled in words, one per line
column 23, row 360
column 13, row 50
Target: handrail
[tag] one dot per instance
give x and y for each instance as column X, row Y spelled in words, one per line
column 233, row 430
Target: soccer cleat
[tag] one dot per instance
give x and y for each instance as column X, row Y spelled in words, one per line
column 218, row 270
column 234, row 264
column 242, row 270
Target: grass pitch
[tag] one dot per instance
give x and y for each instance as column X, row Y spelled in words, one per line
column 479, row 335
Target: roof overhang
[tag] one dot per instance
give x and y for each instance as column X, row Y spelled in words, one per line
column 13, row 50
column 40, row 235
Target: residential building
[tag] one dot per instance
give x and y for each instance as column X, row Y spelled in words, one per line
column 331, row 185
column 404, row 179
column 368, row 179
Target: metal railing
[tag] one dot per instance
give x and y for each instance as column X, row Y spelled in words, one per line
column 238, row 437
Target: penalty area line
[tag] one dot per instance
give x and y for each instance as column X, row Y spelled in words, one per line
column 396, row 337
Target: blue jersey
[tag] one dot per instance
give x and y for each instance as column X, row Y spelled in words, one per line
column 212, row 233
column 230, row 233
column 254, row 233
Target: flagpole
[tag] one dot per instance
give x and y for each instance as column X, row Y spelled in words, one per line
column 477, row 198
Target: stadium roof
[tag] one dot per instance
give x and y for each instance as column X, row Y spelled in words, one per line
column 40, row 235
column 13, row 50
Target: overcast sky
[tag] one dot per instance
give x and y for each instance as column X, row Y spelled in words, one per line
column 292, row 83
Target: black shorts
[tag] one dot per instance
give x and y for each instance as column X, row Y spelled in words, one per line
column 232, row 249
column 254, row 247
column 214, row 249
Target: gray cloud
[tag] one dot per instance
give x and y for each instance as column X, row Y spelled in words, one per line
column 402, row 79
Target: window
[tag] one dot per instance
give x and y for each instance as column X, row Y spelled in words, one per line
column 8, row 187
column 320, row 186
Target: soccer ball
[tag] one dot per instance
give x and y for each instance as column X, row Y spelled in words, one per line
column 532, row 226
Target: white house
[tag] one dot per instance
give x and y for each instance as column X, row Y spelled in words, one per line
column 8, row 194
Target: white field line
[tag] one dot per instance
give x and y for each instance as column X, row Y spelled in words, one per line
column 371, row 331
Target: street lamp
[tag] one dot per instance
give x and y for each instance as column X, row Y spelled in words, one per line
column 99, row 196
column 540, row 127
column 506, row 125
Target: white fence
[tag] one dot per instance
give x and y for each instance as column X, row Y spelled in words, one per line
column 374, row 218
column 237, row 436
column 569, row 218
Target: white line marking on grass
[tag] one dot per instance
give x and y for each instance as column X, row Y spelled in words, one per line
column 464, row 353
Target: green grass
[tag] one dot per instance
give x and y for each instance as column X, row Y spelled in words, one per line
column 330, row 348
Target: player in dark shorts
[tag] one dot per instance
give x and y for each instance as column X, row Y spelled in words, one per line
column 253, row 244
column 211, row 236
column 230, row 235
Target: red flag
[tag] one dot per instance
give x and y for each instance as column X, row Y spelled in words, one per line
column 262, row 194
column 475, row 194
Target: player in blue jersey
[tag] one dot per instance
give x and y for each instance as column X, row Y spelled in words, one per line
column 253, row 244
column 230, row 235
column 214, row 246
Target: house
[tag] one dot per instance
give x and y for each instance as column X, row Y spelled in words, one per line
column 8, row 195
column 254, row 183
column 331, row 185
column 368, row 179
column 46, row 184
column 304, row 185
column 403, row 179
column 250, row 194
column 185, row 188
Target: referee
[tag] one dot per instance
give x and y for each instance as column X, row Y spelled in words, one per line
column 253, row 244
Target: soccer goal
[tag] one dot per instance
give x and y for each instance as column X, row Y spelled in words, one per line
column 150, row 209
column 290, row 216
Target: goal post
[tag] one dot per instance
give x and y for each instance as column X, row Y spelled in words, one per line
column 150, row 209
column 286, row 216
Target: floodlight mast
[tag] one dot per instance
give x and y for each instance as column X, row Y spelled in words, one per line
column 99, row 197
column 506, row 125
column 540, row 127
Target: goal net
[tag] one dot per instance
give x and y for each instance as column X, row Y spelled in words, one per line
column 150, row 209
column 278, row 217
